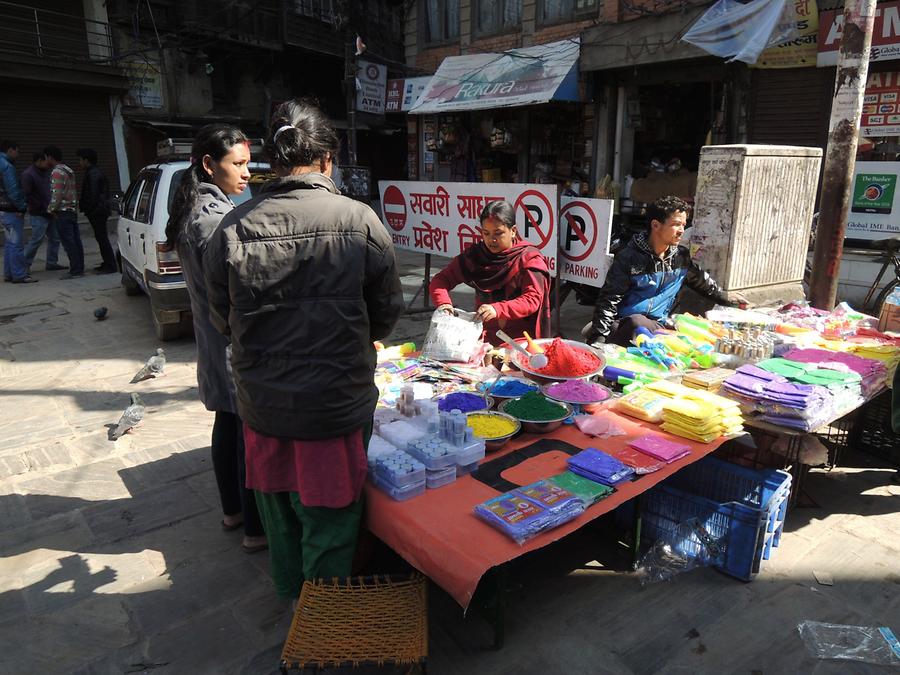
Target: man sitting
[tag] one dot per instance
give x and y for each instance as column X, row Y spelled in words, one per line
column 646, row 276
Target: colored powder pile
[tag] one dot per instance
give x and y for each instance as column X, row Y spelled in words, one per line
column 490, row 426
column 512, row 388
column 461, row 401
column 566, row 361
column 534, row 407
column 578, row 391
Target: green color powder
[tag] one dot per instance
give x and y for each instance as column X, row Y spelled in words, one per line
column 534, row 407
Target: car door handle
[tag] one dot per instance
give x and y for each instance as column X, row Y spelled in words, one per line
column 142, row 235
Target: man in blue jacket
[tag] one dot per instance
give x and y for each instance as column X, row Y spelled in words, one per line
column 646, row 276
column 12, row 216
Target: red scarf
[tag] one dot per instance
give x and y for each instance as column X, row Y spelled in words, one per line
column 490, row 273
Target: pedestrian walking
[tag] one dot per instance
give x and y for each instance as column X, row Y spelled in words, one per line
column 220, row 168
column 304, row 279
column 63, row 209
column 12, row 216
column 95, row 205
column 36, row 186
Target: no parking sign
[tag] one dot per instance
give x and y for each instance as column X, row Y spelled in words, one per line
column 584, row 232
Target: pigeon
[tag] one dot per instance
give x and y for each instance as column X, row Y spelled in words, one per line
column 130, row 418
column 153, row 368
column 100, row 313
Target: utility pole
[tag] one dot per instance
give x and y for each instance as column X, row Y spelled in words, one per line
column 840, row 156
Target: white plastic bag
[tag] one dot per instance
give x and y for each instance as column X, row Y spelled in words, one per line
column 452, row 337
column 743, row 31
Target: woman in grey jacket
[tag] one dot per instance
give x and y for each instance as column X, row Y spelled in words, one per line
column 219, row 167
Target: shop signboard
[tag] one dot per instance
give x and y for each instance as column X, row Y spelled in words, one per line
column 516, row 77
column 885, row 37
column 800, row 50
column 145, row 84
column 875, row 207
column 370, row 92
column 584, row 233
column 403, row 93
column 881, row 105
column 442, row 218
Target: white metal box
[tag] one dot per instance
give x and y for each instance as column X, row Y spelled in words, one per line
column 752, row 214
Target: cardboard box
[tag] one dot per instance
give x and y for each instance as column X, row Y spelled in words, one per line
column 889, row 319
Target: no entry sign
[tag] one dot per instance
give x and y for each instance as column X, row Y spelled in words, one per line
column 584, row 231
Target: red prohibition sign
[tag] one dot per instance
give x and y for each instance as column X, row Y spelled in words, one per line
column 394, row 206
column 564, row 216
column 520, row 203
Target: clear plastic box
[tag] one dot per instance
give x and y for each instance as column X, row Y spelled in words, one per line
column 400, row 469
column 399, row 494
column 441, row 477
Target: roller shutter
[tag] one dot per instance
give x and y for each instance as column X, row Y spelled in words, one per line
column 35, row 117
column 791, row 106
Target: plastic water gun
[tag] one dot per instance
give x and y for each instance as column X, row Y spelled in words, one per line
column 654, row 348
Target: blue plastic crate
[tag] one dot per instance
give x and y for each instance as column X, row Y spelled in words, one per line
column 742, row 508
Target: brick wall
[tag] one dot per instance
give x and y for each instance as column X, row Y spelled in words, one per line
column 495, row 43
column 560, row 32
column 429, row 59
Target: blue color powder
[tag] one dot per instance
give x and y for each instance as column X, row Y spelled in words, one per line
column 461, row 401
column 512, row 388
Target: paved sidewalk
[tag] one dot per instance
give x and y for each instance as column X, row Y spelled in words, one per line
column 112, row 559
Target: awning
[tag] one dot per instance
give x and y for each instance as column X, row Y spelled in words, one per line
column 516, row 77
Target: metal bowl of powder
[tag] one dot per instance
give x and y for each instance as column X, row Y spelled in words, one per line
column 508, row 387
column 548, row 374
column 482, row 421
column 537, row 424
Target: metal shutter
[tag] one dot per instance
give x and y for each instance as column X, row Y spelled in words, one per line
column 791, row 106
column 35, row 117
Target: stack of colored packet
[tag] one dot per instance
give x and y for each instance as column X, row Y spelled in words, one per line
column 707, row 380
column 660, row 448
column 589, row 491
column 527, row 511
column 702, row 420
column 597, row 466
column 647, row 403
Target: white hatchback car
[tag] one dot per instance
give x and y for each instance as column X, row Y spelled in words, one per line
column 144, row 260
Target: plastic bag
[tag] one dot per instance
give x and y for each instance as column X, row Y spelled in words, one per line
column 852, row 643
column 743, row 31
column 452, row 337
column 686, row 547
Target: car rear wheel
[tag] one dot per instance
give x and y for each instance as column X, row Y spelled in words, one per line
column 130, row 285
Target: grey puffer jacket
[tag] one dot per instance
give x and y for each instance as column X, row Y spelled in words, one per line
column 303, row 280
column 214, row 377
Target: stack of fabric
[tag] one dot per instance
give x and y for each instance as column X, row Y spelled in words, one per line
column 872, row 373
column 791, row 404
column 702, row 416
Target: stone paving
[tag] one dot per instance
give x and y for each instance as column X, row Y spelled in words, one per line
column 112, row 559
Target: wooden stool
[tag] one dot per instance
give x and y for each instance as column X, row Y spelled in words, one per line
column 371, row 621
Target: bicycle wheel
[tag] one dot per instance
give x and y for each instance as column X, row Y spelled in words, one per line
column 885, row 292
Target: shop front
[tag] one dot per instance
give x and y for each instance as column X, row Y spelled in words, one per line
column 515, row 117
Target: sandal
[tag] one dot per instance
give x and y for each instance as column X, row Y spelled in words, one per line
column 233, row 526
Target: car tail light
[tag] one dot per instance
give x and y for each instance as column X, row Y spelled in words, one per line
column 167, row 261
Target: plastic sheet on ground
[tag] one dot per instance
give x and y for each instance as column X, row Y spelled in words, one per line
column 870, row 644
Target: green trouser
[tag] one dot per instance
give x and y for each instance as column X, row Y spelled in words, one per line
column 307, row 542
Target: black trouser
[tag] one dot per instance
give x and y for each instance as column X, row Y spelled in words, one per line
column 231, row 472
column 101, row 234
column 623, row 331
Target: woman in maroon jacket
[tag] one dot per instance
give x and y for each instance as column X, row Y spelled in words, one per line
column 510, row 278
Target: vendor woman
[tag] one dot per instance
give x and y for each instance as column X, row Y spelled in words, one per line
column 510, row 278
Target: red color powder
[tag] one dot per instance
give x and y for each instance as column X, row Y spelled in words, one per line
column 566, row 361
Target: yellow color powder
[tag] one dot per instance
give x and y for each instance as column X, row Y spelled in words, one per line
column 490, row 426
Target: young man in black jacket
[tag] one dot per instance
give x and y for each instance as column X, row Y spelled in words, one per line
column 646, row 276
column 95, row 205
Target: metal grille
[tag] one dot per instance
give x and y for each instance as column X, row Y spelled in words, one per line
column 30, row 31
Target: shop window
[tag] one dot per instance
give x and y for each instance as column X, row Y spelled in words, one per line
column 560, row 11
column 441, row 20
column 497, row 16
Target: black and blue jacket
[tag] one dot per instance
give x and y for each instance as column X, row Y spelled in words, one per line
column 641, row 282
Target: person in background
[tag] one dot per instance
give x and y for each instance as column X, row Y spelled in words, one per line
column 12, row 210
column 646, row 276
column 63, row 208
column 304, row 280
column 36, row 186
column 95, row 205
column 219, row 168
column 510, row 277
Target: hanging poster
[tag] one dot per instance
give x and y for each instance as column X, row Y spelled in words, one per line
column 799, row 51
